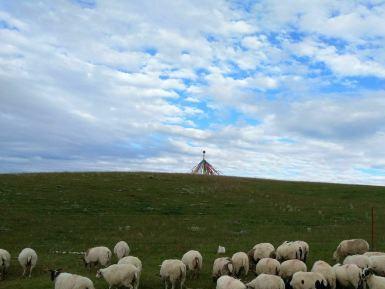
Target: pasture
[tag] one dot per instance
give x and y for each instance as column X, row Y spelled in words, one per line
column 162, row 216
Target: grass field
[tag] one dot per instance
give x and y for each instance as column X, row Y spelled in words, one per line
column 162, row 216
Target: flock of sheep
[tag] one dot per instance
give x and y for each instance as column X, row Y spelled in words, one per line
column 281, row 268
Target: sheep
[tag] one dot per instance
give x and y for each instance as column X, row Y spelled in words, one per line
column 371, row 281
column 308, row 280
column 289, row 267
column 350, row 247
column 126, row 275
column 241, row 264
column 222, row 266
column 5, row 262
column 370, row 254
column 327, row 271
column 97, row 255
column 360, row 260
column 348, row 276
column 193, row 261
column 133, row 261
column 121, row 250
column 292, row 250
column 227, row 282
column 27, row 259
column 70, row 281
column 378, row 264
column 303, row 249
column 267, row 266
column 259, row 251
column 266, row 281
column 173, row 271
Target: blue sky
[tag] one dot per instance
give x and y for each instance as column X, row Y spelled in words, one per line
column 274, row 89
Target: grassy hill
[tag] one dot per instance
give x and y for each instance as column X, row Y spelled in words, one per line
column 164, row 215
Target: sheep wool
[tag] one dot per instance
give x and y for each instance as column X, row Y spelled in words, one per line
column 121, row 249
column 268, row 266
column 120, row 275
column 193, row 261
column 350, row 247
column 5, row 262
column 327, row 271
column 227, row 282
column 27, row 259
column 241, row 264
column 173, row 271
column 266, row 281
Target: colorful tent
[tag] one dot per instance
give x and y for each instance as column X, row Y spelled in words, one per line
column 204, row 168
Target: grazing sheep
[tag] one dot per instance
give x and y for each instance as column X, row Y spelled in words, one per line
column 97, row 255
column 241, row 264
column 303, row 249
column 70, row 281
column 5, row 262
column 350, row 247
column 227, row 282
column 308, row 280
column 222, row 266
column 267, row 266
column 173, row 271
column 121, row 250
column 126, row 275
column 378, row 264
column 193, row 261
column 348, row 276
column 266, row 281
column 133, row 261
column 371, row 281
column 370, row 254
column 360, row 260
column 289, row 267
column 292, row 250
column 27, row 259
column 259, row 251
column 327, row 271
column 221, row 250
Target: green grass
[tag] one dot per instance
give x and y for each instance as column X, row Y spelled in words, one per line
column 162, row 216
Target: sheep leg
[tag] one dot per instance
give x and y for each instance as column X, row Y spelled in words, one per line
column 24, row 271
column 182, row 283
column 173, row 285
column 30, row 271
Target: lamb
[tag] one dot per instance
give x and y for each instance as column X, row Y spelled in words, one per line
column 360, row 260
column 126, row 275
column 27, row 259
column 293, row 250
column 5, row 262
column 121, row 249
column 350, row 247
column 193, row 261
column 97, row 255
column 266, row 281
column 259, row 251
column 173, row 271
column 227, row 282
column 222, row 266
column 327, row 271
column 289, row 267
column 348, row 276
column 267, row 266
column 308, row 280
column 241, row 264
column 371, row 281
column 133, row 261
column 378, row 264
column 70, row 281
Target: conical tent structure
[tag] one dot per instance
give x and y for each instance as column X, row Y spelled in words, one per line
column 204, row 168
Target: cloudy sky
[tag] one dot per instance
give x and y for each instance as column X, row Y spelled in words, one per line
column 273, row 89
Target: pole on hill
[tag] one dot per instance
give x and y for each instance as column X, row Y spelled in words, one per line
column 372, row 245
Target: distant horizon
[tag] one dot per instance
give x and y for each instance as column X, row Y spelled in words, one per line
column 270, row 89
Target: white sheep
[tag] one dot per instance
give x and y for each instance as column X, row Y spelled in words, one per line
column 360, row 260
column 308, row 280
column 241, row 264
column 370, row 254
column 289, row 267
column 27, row 259
column 327, row 271
column 97, row 255
column 371, row 281
column 126, row 275
column 173, row 271
column 259, row 251
column 348, row 276
column 222, row 266
column 5, row 262
column 70, row 281
column 133, row 261
column 378, row 264
column 303, row 249
column 266, row 281
column 121, row 249
column 292, row 250
column 350, row 247
column 227, row 282
column 267, row 266
column 193, row 261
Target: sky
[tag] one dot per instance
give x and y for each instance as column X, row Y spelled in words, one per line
column 270, row 89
